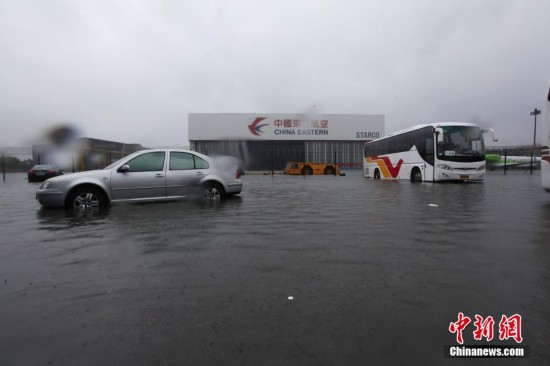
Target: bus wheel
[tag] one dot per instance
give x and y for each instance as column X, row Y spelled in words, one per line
column 377, row 174
column 416, row 176
column 329, row 170
column 307, row 170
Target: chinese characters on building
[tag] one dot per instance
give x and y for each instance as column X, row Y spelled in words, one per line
column 300, row 127
column 295, row 123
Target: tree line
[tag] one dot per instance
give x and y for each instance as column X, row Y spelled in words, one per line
column 11, row 164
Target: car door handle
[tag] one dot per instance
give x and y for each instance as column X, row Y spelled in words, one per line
column 159, row 176
column 200, row 173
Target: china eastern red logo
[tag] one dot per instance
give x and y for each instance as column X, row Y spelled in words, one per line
column 255, row 127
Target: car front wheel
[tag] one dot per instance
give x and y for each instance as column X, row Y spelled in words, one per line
column 85, row 198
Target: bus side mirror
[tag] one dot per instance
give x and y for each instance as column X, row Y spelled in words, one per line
column 492, row 131
column 439, row 133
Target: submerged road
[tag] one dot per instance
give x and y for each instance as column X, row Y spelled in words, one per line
column 296, row 271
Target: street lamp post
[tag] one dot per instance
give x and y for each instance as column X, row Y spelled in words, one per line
column 535, row 113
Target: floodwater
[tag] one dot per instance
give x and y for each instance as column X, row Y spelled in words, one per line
column 294, row 271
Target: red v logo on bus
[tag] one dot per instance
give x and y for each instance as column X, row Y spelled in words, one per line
column 393, row 170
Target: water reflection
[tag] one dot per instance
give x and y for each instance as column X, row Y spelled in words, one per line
column 59, row 219
column 144, row 215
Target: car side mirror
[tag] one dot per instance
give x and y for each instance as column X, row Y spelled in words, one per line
column 124, row 169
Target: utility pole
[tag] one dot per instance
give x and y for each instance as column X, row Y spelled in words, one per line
column 535, row 113
column 272, row 160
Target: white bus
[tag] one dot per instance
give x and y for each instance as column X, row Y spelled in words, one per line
column 545, row 163
column 432, row 152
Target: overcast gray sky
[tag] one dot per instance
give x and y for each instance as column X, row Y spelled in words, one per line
column 132, row 70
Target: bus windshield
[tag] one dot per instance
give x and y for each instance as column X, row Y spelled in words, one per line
column 460, row 144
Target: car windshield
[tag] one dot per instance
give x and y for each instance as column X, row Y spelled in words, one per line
column 460, row 143
column 43, row 167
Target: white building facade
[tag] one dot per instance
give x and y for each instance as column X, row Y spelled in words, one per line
column 269, row 141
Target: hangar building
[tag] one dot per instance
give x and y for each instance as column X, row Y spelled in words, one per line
column 82, row 154
column 269, row 141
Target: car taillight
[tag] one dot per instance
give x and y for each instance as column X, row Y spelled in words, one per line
column 30, row 171
column 238, row 173
column 51, row 171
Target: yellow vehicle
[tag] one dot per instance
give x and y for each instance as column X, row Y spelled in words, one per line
column 299, row 168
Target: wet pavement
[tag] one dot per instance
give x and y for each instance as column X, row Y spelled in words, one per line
column 294, row 271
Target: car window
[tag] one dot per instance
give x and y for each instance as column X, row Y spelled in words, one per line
column 200, row 163
column 186, row 161
column 149, row 162
column 181, row 161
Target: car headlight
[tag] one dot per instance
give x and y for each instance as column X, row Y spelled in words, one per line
column 444, row 167
column 45, row 185
column 481, row 168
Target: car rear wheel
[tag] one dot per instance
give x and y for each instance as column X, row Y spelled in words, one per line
column 86, row 198
column 213, row 192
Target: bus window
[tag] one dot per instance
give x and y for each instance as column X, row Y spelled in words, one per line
column 419, row 140
column 429, row 152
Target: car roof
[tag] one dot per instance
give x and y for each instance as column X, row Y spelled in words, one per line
column 171, row 150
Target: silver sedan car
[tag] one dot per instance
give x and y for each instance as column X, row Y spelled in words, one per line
column 160, row 174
